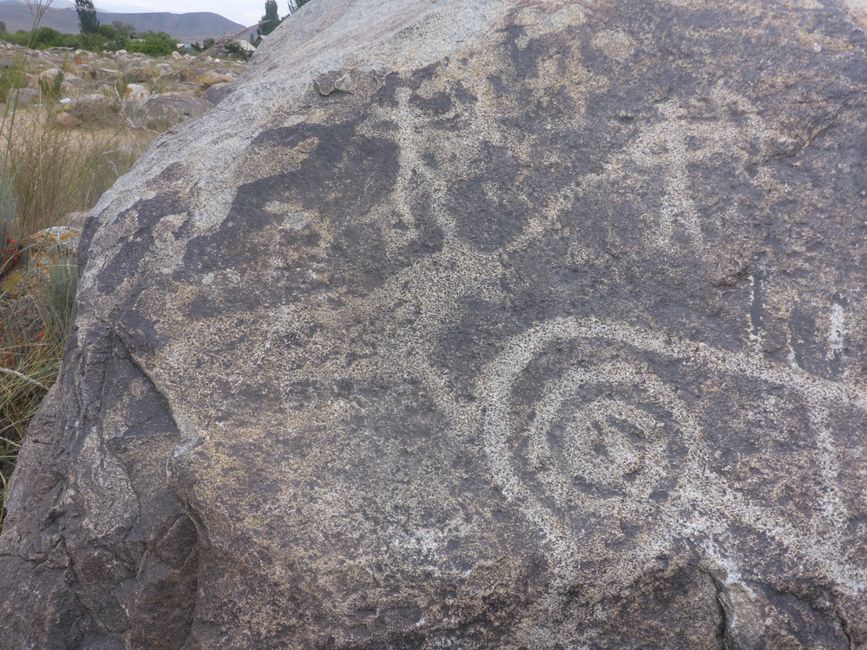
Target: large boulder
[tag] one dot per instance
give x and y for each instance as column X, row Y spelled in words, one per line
column 473, row 324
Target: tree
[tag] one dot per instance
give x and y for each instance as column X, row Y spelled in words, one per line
column 270, row 20
column 295, row 5
column 123, row 29
column 87, row 20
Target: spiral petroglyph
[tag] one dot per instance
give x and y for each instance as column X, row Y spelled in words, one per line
column 587, row 421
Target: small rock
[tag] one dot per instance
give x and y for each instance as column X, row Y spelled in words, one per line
column 110, row 73
column 92, row 108
column 139, row 74
column 176, row 55
column 27, row 97
column 51, row 74
column 218, row 92
column 246, row 46
column 68, row 86
column 41, row 257
column 212, row 78
column 338, row 81
column 56, row 238
column 67, row 120
column 136, row 92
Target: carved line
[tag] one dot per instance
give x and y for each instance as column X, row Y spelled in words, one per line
column 499, row 376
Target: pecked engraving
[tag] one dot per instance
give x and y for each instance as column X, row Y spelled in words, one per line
column 608, row 434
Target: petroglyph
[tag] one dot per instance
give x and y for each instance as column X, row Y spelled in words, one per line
column 756, row 290
column 836, row 331
column 489, row 352
column 608, row 432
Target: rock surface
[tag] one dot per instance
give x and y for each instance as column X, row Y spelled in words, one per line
column 161, row 111
column 544, row 327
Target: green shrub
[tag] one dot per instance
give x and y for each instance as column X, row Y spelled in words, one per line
column 152, row 44
column 235, row 51
column 115, row 36
column 45, row 37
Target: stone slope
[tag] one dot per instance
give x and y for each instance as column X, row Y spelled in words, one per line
column 473, row 324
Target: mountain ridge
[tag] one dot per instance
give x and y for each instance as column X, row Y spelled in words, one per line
column 191, row 26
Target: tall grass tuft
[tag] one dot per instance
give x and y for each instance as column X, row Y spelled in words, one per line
column 33, row 329
column 54, row 170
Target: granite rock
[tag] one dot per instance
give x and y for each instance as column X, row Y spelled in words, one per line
column 543, row 327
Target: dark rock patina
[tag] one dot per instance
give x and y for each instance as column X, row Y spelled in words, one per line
column 473, row 324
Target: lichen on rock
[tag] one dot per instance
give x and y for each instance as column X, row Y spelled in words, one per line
column 473, row 324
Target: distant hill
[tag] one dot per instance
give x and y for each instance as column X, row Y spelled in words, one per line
column 189, row 27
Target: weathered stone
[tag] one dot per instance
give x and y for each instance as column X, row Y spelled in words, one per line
column 217, row 93
column 161, row 111
column 245, row 46
column 546, row 331
column 139, row 74
column 51, row 74
column 211, row 77
column 67, row 120
column 24, row 96
column 136, row 93
column 93, row 107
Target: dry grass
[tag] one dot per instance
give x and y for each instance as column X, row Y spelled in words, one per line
column 52, row 170
column 33, row 330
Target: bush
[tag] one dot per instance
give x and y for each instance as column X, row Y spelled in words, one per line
column 152, row 44
column 235, row 51
column 116, row 36
column 45, row 37
column 112, row 37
